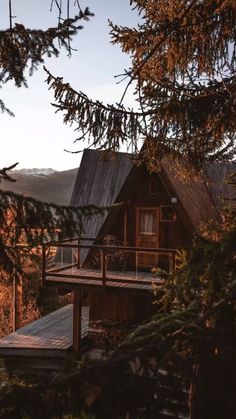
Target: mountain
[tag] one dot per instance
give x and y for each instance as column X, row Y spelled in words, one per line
column 45, row 184
column 36, row 172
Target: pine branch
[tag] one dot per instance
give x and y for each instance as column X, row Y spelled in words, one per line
column 172, row 27
column 106, row 126
column 21, row 47
column 4, row 173
column 175, row 118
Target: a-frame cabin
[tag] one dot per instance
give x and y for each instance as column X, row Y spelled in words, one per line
column 159, row 214
column 112, row 265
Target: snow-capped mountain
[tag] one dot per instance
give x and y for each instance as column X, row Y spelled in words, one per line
column 45, row 184
column 36, row 172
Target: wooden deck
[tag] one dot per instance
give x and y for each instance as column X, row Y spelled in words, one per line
column 93, row 278
column 49, row 336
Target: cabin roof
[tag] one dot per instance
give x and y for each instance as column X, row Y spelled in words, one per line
column 104, row 179
column 193, row 195
column 99, row 180
column 221, row 193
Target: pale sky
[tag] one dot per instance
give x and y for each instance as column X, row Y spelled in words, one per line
column 36, row 136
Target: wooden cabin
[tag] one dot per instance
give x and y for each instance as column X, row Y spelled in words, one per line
column 113, row 269
column 159, row 213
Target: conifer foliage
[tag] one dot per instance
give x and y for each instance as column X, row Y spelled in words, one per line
column 24, row 49
column 183, row 64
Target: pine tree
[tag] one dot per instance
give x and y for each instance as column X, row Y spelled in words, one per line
column 183, row 64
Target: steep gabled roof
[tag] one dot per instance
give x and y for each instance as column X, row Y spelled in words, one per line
column 99, row 180
column 105, row 179
column 221, row 193
column 193, row 195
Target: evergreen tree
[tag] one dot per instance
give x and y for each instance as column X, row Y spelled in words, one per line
column 183, row 64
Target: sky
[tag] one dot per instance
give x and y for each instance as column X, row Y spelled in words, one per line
column 36, row 137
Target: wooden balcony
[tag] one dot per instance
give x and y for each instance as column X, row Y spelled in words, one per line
column 82, row 273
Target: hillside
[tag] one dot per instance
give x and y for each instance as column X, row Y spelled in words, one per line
column 44, row 184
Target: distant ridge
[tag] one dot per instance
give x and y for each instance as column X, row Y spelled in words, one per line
column 47, row 185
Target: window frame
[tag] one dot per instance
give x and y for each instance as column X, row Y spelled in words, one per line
column 150, row 190
column 154, row 210
column 167, row 221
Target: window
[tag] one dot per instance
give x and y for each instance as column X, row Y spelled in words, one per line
column 167, row 213
column 147, row 221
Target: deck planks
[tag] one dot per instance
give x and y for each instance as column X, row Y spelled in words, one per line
column 92, row 277
column 51, row 335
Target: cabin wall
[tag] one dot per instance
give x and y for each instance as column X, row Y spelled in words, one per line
column 120, row 306
column 171, row 234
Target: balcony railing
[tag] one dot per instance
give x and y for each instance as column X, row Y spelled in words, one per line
column 80, row 267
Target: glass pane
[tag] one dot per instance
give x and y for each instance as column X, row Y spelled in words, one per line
column 147, row 222
column 168, row 214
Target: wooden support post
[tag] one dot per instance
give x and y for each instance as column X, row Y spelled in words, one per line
column 78, row 255
column 170, row 262
column 17, row 303
column 173, row 263
column 125, row 227
column 17, row 294
column 171, row 257
column 104, row 266
column 125, row 237
column 14, row 304
column 77, row 320
column 43, row 263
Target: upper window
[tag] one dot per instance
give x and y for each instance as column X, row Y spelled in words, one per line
column 147, row 222
column 152, row 186
column 167, row 213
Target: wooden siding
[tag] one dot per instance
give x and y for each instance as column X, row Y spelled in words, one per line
column 125, row 307
column 137, row 195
